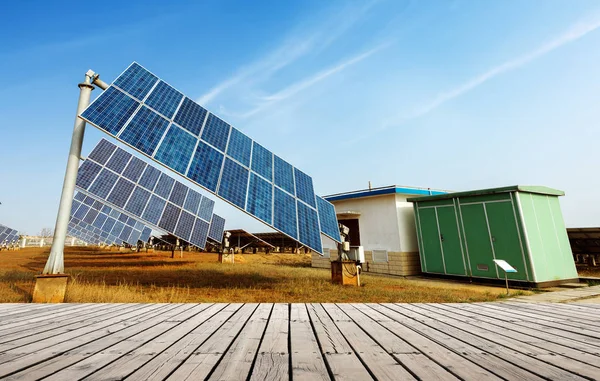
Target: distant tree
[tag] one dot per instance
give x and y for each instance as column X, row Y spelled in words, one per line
column 46, row 233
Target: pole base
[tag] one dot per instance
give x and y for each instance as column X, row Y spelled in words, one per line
column 50, row 288
column 226, row 258
column 345, row 273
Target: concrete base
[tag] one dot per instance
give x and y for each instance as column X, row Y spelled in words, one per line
column 226, row 258
column 50, row 288
column 345, row 273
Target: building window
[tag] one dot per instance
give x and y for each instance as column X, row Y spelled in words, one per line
column 380, row 256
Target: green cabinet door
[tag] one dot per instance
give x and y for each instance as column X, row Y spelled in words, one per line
column 451, row 247
column 505, row 237
column 477, row 238
column 430, row 236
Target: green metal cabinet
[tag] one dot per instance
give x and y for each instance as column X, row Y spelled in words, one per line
column 462, row 233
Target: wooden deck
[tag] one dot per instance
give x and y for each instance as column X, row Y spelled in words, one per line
column 489, row 341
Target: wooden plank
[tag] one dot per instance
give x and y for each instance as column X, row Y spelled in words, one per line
column 50, row 348
column 203, row 360
column 162, row 365
column 453, row 362
column 552, row 365
column 238, row 360
column 273, row 358
column 414, row 360
column 31, row 309
column 307, row 360
column 339, row 355
column 119, row 346
column 540, row 333
column 557, row 310
column 498, row 361
column 381, row 364
column 551, row 315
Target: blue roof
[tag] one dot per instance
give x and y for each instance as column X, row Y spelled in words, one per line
column 392, row 189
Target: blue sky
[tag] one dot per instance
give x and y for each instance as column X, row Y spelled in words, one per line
column 444, row 94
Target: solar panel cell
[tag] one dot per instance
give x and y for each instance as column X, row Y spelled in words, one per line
column 260, row 198
column 100, row 220
column 284, row 175
column 176, row 149
column 137, row 202
column 217, row 227
column 125, row 233
column 234, row 183
column 87, row 173
column 308, row 226
column 178, row 194
column 145, row 130
column 103, row 183
column 262, row 161
column 184, row 226
column 216, row 132
column 328, row 219
column 102, row 152
column 117, row 229
column 145, row 234
column 118, row 161
column 191, row 116
column 192, row 201
column 164, row 99
column 154, row 209
column 81, row 212
column 121, row 192
column 90, row 216
column 123, row 218
column 149, row 178
column 137, row 81
column 304, row 187
column 206, row 166
column 206, row 209
column 164, row 186
column 111, row 110
column 134, row 169
column 239, row 147
column 199, row 233
column 284, row 216
column 169, row 217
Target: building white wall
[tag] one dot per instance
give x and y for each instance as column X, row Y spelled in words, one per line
column 406, row 224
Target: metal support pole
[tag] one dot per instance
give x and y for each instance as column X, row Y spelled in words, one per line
column 55, row 263
column 506, row 279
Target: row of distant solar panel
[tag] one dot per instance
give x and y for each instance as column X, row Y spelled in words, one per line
column 8, row 235
column 119, row 178
column 88, row 234
column 157, row 120
column 108, row 222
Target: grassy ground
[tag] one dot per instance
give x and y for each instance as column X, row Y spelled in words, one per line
column 109, row 276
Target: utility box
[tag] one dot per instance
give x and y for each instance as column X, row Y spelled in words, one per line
column 461, row 234
column 357, row 253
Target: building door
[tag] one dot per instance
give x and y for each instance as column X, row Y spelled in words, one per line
column 451, row 247
column 477, row 237
column 354, row 234
column 433, row 260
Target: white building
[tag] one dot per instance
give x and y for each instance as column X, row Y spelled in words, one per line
column 382, row 222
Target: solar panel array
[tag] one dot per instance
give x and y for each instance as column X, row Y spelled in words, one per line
column 104, row 224
column 7, row 234
column 137, row 188
column 146, row 113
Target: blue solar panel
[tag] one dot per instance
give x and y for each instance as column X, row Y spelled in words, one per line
column 284, row 217
column 81, row 212
column 164, row 186
column 87, row 173
column 178, row 194
column 199, row 233
column 126, row 233
column 260, row 198
column 328, row 219
column 88, row 201
column 100, row 220
column 79, row 196
column 145, row 130
column 137, row 81
column 216, row 132
column 123, row 218
column 176, row 149
column 134, row 169
column 75, row 205
column 121, row 192
column 284, row 175
column 184, row 226
column 103, row 183
column 308, row 226
column 118, row 161
column 138, row 201
column 217, row 227
column 240, row 147
column 135, row 236
column 149, row 178
column 191, row 116
column 117, row 229
column 206, row 167
column 206, row 209
column 97, row 205
column 304, row 187
column 111, row 110
column 192, row 201
column 102, row 152
column 234, row 183
column 262, row 161
column 130, row 222
column 90, row 216
column 164, row 99
column 154, row 210
column 168, row 221
column 109, row 224
column 145, row 234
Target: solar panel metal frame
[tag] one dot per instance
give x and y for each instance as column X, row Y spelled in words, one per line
column 104, row 144
column 199, row 139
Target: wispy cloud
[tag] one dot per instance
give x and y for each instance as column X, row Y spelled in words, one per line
column 296, row 46
column 575, row 32
column 290, row 91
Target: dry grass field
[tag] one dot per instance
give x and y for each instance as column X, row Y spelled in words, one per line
column 110, row 276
